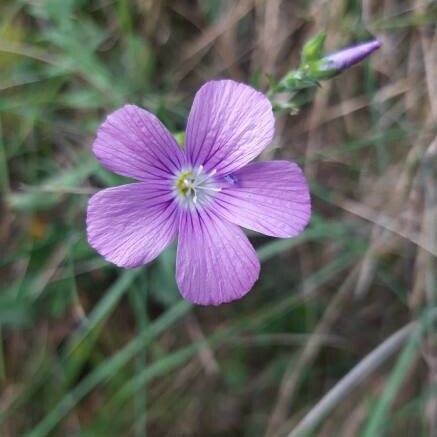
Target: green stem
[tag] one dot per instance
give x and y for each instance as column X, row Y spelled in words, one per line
column 289, row 87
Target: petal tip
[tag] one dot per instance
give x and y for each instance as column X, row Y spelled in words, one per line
column 215, row 298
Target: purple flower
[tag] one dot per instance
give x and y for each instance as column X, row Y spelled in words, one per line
column 201, row 194
column 339, row 61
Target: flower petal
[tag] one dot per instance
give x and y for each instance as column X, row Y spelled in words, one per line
column 215, row 261
column 229, row 125
column 132, row 224
column 269, row 197
column 134, row 143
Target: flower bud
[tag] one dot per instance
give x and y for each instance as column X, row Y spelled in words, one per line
column 336, row 63
column 313, row 49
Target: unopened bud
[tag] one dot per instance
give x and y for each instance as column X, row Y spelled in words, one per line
column 313, row 49
column 336, row 63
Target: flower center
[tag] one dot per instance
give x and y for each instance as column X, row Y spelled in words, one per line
column 195, row 187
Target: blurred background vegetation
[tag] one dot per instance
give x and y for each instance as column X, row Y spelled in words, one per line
column 88, row 349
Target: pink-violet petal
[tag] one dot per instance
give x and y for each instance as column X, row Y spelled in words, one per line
column 230, row 123
column 269, row 197
column 132, row 224
column 215, row 261
column 134, row 143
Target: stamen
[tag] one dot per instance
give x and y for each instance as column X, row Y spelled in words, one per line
column 206, row 176
column 213, row 189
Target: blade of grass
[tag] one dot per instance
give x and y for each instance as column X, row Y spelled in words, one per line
column 75, row 352
column 2, row 360
column 360, row 372
column 319, row 229
column 71, row 178
column 378, row 419
column 138, row 299
column 4, row 172
column 293, row 375
column 107, row 369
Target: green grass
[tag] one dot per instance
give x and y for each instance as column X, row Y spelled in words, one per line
column 90, row 350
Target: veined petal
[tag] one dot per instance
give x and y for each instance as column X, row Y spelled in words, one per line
column 269, row 197
column 215, row 261
column 229, row 125
column 134, row 143
column 132, row 224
